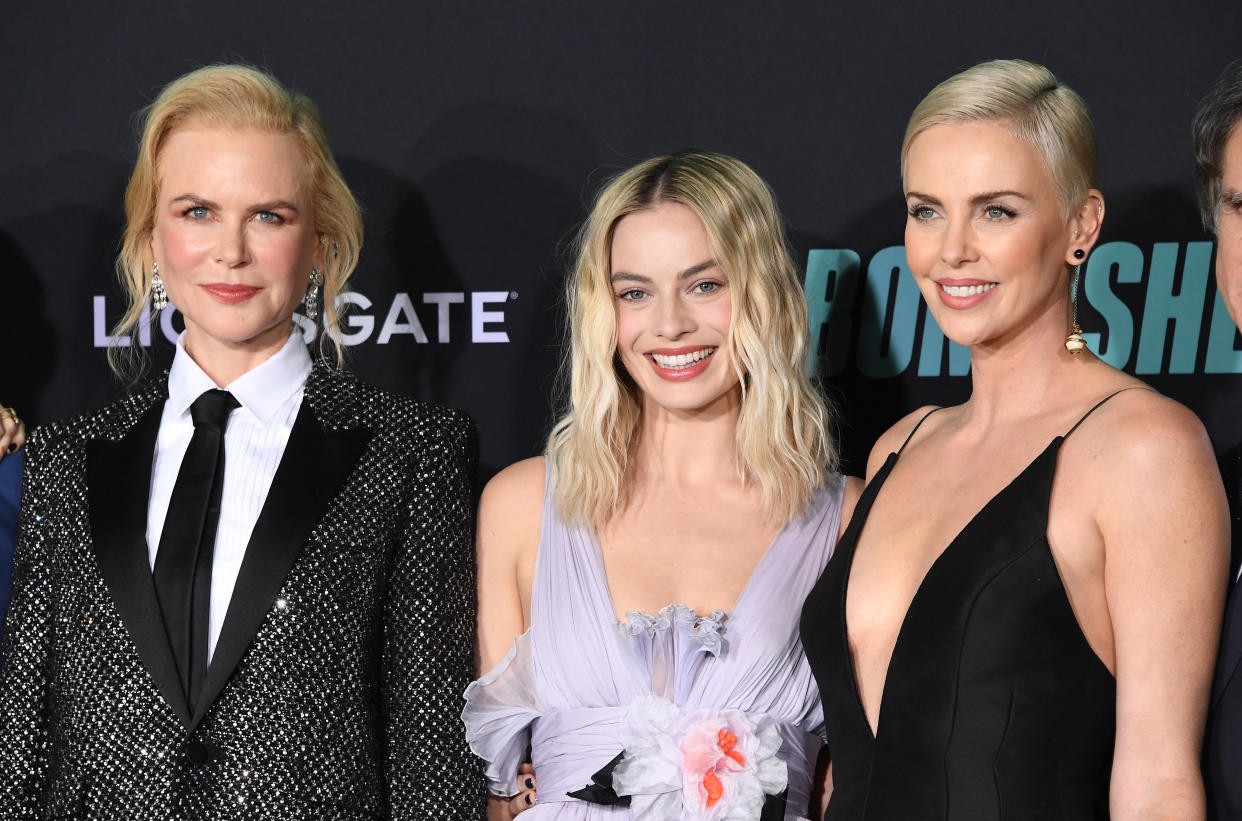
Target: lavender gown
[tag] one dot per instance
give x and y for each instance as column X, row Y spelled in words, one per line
column 713, row 712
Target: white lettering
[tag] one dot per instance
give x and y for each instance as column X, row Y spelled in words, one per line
column 102, row 339
column 144, row 326
column 443, row 300
column 401, row 306
column 479, row 317
column 364, row 323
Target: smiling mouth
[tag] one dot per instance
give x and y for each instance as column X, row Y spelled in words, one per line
column 967, row 290
column 682, row 360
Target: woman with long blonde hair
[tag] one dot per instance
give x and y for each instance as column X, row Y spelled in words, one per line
column 651, row 562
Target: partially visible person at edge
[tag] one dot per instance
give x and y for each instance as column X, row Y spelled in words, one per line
column 1218, row 163
column 12, row 437
column 245, row 589
column 652, row 562
column 1022, row 618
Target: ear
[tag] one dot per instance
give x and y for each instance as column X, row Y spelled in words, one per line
column 323, row 248
column 1084, row 227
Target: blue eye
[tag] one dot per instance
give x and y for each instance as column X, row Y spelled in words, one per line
column 632, row 295
column 998, row 212
column 269, row 216
column 922, row 212
column 707, row 287
column 197, row 212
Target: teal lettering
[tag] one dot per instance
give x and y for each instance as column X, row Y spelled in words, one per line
column 831, row 283
column 881, row 355
column 1222, row 356
column 1184, row 309
column 1123, row 260
column 931, row 353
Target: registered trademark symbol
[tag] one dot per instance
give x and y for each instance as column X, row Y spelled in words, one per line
column 512, row 295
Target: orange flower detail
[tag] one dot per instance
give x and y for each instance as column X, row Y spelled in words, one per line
column 727, row 742
column 711, row 783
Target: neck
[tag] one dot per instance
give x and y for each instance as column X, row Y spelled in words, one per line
column 225, row 361
column 688, row 447
column 1021, row 375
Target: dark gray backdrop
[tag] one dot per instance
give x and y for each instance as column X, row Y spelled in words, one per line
column 475, row 132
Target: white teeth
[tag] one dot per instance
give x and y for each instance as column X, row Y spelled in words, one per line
column 966, row 290
column 682, row 360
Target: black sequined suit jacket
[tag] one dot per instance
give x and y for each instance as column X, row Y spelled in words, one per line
column 335, row 688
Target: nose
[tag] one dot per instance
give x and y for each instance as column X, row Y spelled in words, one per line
column 673, row 318
column 958, row 246
column 233, row 250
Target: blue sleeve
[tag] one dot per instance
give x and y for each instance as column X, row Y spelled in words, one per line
column 10, row 490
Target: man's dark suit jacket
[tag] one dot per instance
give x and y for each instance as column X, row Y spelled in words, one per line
column 336, row 685
column 1222, row 750
column 10, row 492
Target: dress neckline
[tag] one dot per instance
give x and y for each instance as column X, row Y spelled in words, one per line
column 849, row 541
column 717, row 615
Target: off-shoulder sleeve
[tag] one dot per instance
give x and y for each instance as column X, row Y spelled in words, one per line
column 500, row 707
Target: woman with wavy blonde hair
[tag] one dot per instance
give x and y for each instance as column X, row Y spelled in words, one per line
column 653, row 560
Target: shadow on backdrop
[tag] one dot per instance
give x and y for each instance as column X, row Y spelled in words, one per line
column 486, row 204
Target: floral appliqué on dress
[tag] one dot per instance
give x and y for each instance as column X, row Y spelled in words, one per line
column 709, row 764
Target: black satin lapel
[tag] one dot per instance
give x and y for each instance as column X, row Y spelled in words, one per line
column 118, row 481
column 1230, row 645
column 314, row 466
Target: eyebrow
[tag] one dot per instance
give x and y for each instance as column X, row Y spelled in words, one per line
column 975, row 200
column 625, row 276
column 272, row 205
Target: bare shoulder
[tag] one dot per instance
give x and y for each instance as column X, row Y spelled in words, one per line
column 893, row 438
column 510, row 507
column 1141, row 427
column 1150, row 452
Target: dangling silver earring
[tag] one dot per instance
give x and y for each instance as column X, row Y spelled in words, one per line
column 159, row 297
column 312, row 294
column 1074, row 343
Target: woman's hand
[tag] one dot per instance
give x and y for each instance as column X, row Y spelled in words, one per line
column 12, row 431
column 503, row 809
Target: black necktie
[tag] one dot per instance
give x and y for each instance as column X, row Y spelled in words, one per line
column 187, row 545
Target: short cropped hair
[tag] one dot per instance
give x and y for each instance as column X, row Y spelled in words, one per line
column 236, row 97
column 783, row 438
column 1215, row 121
column 1046, row 114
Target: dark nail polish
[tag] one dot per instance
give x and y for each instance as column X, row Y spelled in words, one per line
column 529, row 783
column 528, row 801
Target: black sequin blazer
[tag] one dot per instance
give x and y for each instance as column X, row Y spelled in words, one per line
column 336, row 685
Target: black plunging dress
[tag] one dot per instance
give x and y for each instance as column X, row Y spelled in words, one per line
column 994, row 705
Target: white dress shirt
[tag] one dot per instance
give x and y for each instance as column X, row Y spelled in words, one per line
column 270, row 395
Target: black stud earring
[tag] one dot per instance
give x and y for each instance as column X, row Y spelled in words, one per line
column 1079, row 253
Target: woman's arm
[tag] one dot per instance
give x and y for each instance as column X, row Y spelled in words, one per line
column 429, row 633
column 1163, row 518
column 27, row 643
column 505, row 546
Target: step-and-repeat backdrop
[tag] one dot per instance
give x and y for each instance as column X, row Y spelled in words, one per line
column 475, row 133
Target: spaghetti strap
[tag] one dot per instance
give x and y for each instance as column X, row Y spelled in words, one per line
column 910, row 435
column 1096, row 406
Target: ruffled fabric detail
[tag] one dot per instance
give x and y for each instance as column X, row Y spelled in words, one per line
column 500, row 707
column 706, row 764
column 703, row 630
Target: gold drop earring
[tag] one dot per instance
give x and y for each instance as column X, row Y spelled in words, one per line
column 1074, row 343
